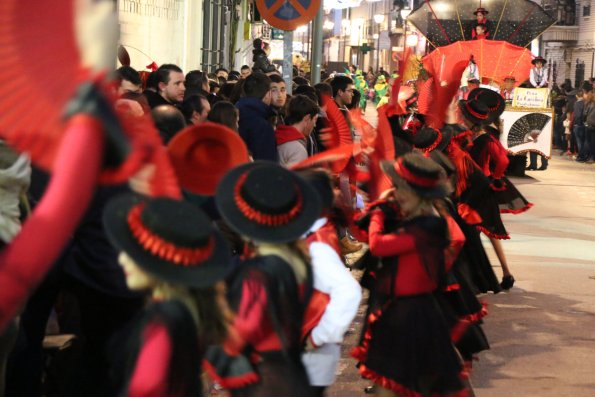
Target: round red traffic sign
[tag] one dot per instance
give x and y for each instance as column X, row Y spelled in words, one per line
column 288, row 14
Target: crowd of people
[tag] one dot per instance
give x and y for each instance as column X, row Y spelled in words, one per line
column 243, row 284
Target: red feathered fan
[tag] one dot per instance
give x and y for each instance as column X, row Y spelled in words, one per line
column 393, row 105
column 338, row 154
column 337, row 132
column 436, row 93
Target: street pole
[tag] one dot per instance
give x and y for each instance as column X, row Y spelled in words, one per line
column 316, row 56
column 287, row 61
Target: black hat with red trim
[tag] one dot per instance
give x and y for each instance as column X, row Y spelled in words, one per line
column 428, row 139
column 170, row 239
column 475, row 111
column 482, row 10
column 416, row 172
column 493, row 100
column 268, row 203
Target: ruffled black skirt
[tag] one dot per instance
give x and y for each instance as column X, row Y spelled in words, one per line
column 407, row 349
column 482, row 199
column 510, row 200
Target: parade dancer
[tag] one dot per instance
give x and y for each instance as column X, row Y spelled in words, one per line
column 481, row 110
column 336, row 295
column 407, row 348
column 271, row 208
column 170, row 249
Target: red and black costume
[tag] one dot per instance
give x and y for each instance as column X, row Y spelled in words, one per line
column 262, row 357
column 408, row 338
column 492, row 157
column 164, row 356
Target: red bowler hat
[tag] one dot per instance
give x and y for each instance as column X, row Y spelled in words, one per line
column 202, row 154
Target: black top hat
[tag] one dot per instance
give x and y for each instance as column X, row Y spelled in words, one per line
column 539, row 59
column 266, row 202
column 414, row 171
column 428, row 139
column 482, row 10
column 172, row 240
column 493, row 100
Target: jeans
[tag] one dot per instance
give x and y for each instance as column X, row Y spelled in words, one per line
column 590, row 140
column 581, row 144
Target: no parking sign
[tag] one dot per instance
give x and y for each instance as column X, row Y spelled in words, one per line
column 288, row 14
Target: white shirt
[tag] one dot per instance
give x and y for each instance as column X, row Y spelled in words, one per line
column 538, row 77
column 334, row 279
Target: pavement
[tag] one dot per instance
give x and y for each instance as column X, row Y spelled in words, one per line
column 542, row 332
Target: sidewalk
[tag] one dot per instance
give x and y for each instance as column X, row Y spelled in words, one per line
column 542, row 332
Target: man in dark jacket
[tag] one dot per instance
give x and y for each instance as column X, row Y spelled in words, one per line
column 255, row 111
column 579, row 125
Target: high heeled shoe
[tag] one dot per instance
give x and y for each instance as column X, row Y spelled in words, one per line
column 507, row 282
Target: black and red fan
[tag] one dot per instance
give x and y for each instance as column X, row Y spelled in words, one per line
column 444, row 22
column 527, row 129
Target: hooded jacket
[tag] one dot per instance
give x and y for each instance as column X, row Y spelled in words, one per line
column 255, row 128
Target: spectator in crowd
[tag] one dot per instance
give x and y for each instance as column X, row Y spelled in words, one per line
column 171, row 88
column 196, row 83
column 223, row 112
column 255, row 111
column 299, row 80
column 583, row 97
column 260, row 58
column 222, row 72
column 129, row 81
column 195, row 109
column 234, row 76
column 168, row 120
column 292, row 138
column 589, row 117
column 225, row 91
column 343, row 88
column 278, row 97
column 245, row 71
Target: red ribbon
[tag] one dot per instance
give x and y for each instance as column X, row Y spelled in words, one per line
column 260, row 217
column 162, row 248
column 152, row 66
column 474, row 113
column 436, row 142
column 412, row 178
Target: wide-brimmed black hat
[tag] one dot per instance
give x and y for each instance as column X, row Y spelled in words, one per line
column 170, row 239
column 428, row 139
column 266, row 202
column 475, row 111
column 539, row 59
column 482, row 10
column 494, row 101
column 418, row 173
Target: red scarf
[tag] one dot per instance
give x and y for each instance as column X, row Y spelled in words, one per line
column 287, row 133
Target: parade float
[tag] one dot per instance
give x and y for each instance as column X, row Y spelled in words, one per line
column 492, row 37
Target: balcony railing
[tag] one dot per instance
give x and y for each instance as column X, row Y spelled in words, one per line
column 561, row 34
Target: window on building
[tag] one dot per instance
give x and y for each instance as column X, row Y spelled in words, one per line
column 587, row 10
